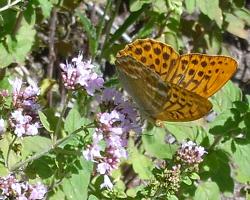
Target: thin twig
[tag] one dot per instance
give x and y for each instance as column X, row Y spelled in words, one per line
column 109, row 26
column 8, row 153
column 60, row 119
column 217, row 139
column 52, row 56
column 115, row 27
column 18, row 23
column 101, row 24
column 9, row 5
column 46, row 151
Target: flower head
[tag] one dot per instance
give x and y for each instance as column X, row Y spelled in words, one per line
column 12, row 188
column 191, row 153
column 114, row 125
column 106, row 183
column 24, row 118
column 81, row 73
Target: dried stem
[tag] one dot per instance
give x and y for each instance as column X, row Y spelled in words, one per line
column 52, row 56
column 10, row 4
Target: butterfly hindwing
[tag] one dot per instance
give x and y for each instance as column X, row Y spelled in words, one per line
column 157, row 99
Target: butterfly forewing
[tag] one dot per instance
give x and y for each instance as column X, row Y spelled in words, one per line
column 160, row 57
column 199, row 73
column 204, row 74
column 157, row 99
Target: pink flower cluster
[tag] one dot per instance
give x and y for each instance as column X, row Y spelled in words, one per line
column 191, row 153
column 113, row 127
column 81, row 73
column 11, row 188
column 24, row 118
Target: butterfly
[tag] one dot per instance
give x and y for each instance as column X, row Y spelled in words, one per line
column 170, row 87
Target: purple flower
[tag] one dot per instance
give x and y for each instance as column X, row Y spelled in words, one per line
column 92, row 83
column 11, row 188
column 110, row 95
column 81, row 73
column 4, row 93
column 16, row 85
column 23, row 124
column 37, row 191
column 191, row 153
column 24, row 119
column 103, row 168
column 92, row 152
column 114, row 125
column 106, row 183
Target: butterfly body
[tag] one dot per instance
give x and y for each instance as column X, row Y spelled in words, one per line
column 170, row 87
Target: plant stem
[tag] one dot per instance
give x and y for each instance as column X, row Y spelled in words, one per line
column 58, row 125
column 216, row 141
column 108, row 29
column 46, row 151
column 101, row 24
column 9, row 150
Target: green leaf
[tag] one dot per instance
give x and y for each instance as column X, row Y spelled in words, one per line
column 195, row 176
column 15, row 49
column 136, row 5
column 224, row 98
column 219, row 170
column 142, row 165
column 236, row 26
column 211, row 9
column 160, row 6
column 226, row 123
column 176, row 6
column 44, row 167
column 154, row 143
column 76, row 186
column 243, row 14
column 57, row 194
column 42, row 143
column 73, row 121
column 214, row 41
column 46, row 7
column 187, row 180
column 3, row 170
column 187, row 130
column 172, row 197
column 5, row 142
column 8, row 22
column 5, row 56
column 5, row 84
column 119, row 189
column 52, row 119
column 92, row 197
column 90, row 31
column 128, row 22
column 242, row 160
column 44, row 120
column 239, row 3
column 171, row 39
column 148, row 28
column 190, row 5
column 207, row 191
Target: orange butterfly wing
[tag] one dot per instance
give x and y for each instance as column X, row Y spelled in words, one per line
column 199, row 73
column 157, row 99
